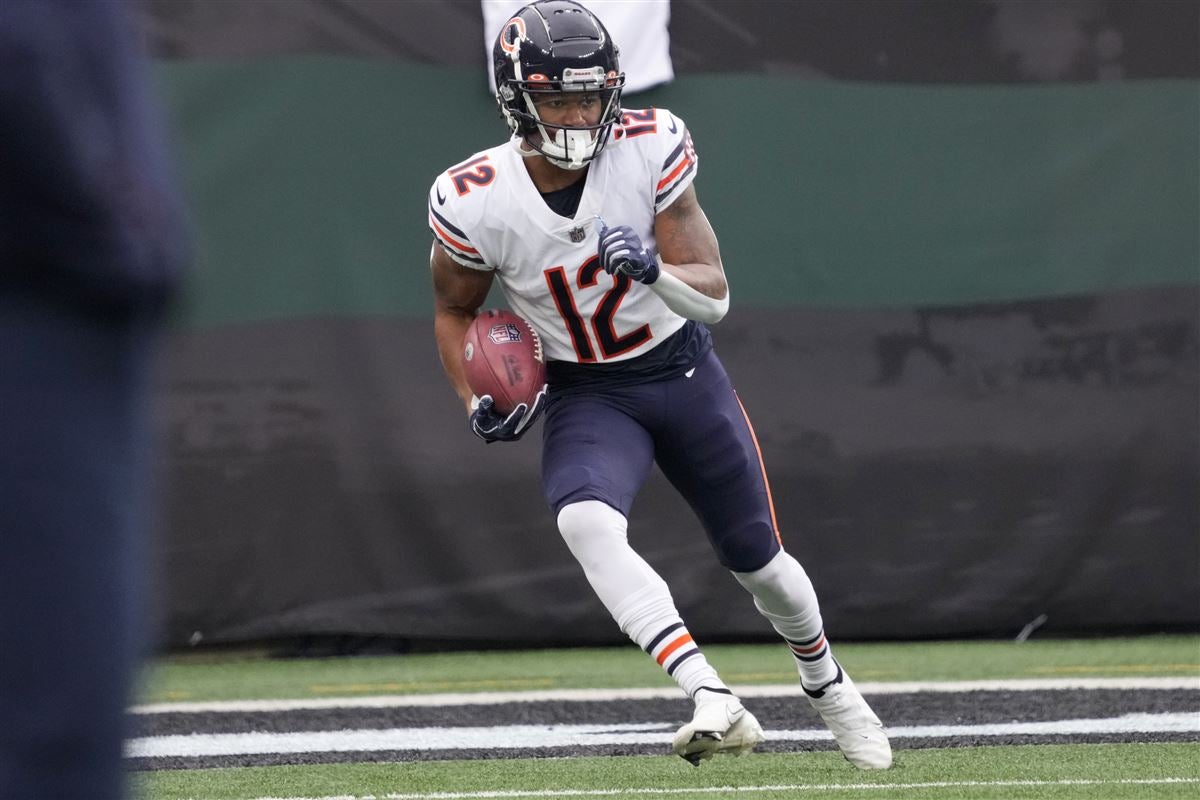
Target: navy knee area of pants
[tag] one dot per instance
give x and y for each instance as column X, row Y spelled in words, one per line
column 747, row 548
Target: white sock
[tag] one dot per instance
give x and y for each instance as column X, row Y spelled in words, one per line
column 636, row 596
column 784, row 595
column 650, row 619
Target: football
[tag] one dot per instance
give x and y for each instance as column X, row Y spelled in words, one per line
column 502, row 356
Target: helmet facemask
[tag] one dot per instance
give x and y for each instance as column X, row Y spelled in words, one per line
column 569, row 147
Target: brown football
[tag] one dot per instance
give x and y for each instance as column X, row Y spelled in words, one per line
column 502, row 356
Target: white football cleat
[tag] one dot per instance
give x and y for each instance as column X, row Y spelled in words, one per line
column 718, row 726
column 858, row 732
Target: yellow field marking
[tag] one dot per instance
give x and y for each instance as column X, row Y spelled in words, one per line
column 1150, row 668
column 428, row 686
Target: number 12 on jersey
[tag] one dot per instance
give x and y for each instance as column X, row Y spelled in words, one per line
column 601, row 328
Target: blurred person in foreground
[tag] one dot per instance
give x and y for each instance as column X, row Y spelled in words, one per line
column 589, row 220
column 91, row 247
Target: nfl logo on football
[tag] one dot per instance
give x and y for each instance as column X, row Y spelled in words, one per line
column 504, row 333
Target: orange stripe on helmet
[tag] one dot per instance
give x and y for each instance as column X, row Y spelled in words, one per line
column 508, row 45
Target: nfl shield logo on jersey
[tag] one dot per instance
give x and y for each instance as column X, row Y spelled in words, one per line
column 577, row 234
column 504, row 333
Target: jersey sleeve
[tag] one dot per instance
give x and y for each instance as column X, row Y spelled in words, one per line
column 678, row 166
column 447, row 231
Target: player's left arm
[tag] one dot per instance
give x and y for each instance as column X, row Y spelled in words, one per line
column 686, row 273
column 692, row 279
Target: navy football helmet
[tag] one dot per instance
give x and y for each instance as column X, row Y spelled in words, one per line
column 556, row 46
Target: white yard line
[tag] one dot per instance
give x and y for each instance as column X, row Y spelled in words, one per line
column 667, row 693
column 747, row 790
column 548, row 736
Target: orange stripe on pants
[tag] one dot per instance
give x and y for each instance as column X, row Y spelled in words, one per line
column 763, row 468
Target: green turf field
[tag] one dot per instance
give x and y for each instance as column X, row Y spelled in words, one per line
column 1044, row 771
column 222, row 676
column 1127, row 770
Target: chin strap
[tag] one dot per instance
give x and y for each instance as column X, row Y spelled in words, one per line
column 518, row 143
column 527, row 151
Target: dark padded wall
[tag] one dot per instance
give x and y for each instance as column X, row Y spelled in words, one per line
column 954, row 471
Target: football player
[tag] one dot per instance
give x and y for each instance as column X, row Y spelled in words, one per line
column 589, row 220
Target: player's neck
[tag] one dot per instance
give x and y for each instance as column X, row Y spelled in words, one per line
column 549, row 177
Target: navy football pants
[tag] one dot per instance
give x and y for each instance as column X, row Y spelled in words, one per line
column 601, row 446
column 74, row 482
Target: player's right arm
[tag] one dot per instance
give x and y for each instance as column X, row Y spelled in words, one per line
column 458, row 294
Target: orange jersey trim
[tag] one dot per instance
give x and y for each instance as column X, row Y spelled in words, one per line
column 674, row 173
column 466, row 248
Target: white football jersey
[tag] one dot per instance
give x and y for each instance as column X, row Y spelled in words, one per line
column 487, row 214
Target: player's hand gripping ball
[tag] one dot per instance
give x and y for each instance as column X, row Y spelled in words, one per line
column 506, row 369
